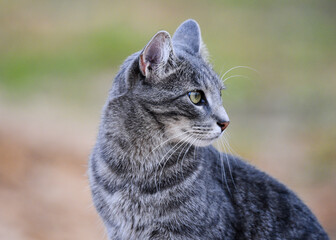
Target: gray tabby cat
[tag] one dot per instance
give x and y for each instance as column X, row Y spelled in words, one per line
column 153, row 173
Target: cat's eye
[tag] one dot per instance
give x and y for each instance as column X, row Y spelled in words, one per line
column 196, row 97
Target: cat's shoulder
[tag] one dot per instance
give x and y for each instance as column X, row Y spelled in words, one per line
column 257, row 195
column 244, row 181
column 238, row 170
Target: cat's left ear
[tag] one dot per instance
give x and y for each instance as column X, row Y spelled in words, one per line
column 154, row 57
column 188, row 37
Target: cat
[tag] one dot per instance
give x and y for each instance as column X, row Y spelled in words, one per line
column 153, row 172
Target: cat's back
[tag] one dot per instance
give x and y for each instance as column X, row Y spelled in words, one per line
column 264, row 208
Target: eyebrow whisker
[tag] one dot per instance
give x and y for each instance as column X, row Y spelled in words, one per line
column 235, row 76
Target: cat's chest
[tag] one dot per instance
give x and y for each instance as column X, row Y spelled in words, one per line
column 132, row 216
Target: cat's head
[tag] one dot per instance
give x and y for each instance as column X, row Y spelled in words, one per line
column 171, row 81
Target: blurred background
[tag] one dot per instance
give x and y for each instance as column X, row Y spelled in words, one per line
column 58, row 60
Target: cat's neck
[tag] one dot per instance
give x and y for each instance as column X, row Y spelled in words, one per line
column 155, row 165
column 148, row 152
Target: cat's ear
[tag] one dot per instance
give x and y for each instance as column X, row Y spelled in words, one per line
column 188, row 38
column 156, row 54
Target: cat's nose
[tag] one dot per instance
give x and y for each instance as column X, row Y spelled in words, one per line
column 223, row 125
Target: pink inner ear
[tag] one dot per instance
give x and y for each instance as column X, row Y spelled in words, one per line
column 155, row 53
column 143, row 65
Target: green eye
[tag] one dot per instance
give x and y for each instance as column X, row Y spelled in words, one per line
column 195, row 97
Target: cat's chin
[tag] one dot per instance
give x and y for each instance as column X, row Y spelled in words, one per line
column 203, row 142
column 198, row 141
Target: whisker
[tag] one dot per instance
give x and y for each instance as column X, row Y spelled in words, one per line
column 162, row 159
column 228, row 145
column 185, row 155
column 223, row 172
column 178, row 157
column 201, row 128
column 183, row 142
column 164, row 143
column 228, row 163
column 250, row 68
column 231, row 150
column 199, row 133
column 233, row 76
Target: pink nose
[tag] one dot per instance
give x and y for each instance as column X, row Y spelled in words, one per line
column 223, row 125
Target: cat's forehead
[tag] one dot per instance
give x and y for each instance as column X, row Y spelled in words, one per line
column 204, row 77
column 209, row 78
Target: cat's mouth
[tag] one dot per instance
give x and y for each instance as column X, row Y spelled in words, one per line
column 201, row 136
column 197, row 135
column 205, row 141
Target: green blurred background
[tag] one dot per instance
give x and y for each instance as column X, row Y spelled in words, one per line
column 57, row 63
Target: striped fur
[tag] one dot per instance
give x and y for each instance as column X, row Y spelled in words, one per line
column 153, row 173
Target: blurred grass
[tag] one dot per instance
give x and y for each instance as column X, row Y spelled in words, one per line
column 61, row 48
column 290, row 43
column 24, row 68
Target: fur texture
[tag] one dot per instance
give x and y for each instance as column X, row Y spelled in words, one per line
column 153, row 173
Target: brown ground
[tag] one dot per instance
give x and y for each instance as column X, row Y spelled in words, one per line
column 44, row 194
column 44, row 191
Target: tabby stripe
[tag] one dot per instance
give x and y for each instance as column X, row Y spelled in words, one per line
column 172, row 181
column 105, row 183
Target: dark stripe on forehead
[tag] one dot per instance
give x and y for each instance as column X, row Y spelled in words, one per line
column 206, row 76
column 212, row 79
column 194, row 77
column 189, row 73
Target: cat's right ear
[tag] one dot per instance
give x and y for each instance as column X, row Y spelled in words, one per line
column 156, row 54
column 188, row 38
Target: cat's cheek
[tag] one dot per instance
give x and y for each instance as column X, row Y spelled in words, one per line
column 177, row 129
